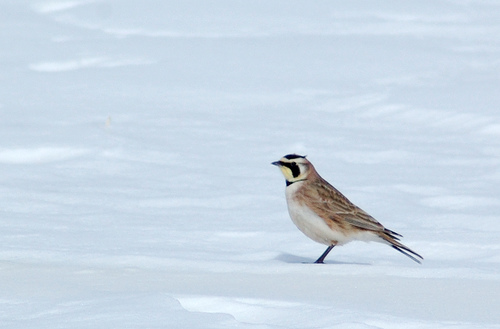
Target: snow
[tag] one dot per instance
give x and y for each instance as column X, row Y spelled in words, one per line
column 135, row 162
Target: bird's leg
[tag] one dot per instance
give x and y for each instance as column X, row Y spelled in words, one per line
column 322, row 257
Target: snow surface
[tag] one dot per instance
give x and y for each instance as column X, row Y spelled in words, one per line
column 136, row 142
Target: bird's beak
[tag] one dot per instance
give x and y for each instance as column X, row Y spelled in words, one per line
column 277, row 163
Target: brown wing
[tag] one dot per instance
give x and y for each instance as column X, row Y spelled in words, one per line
column 327, row 201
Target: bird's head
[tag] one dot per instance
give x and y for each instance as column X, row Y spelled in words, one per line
column 294, row 167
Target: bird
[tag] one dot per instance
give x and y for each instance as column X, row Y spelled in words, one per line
column 325, row 215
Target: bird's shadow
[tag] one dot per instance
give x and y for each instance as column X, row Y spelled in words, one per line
column 294, row 259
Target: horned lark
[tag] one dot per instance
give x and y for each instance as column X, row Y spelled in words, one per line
column 325, row 215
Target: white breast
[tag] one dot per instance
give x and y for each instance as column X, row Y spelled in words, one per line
column 309, row 223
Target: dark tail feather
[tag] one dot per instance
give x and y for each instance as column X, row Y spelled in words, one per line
column 391, row 238
column 392, row 234
column 407, row 252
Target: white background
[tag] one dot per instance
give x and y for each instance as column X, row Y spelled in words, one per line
column 135, row 146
